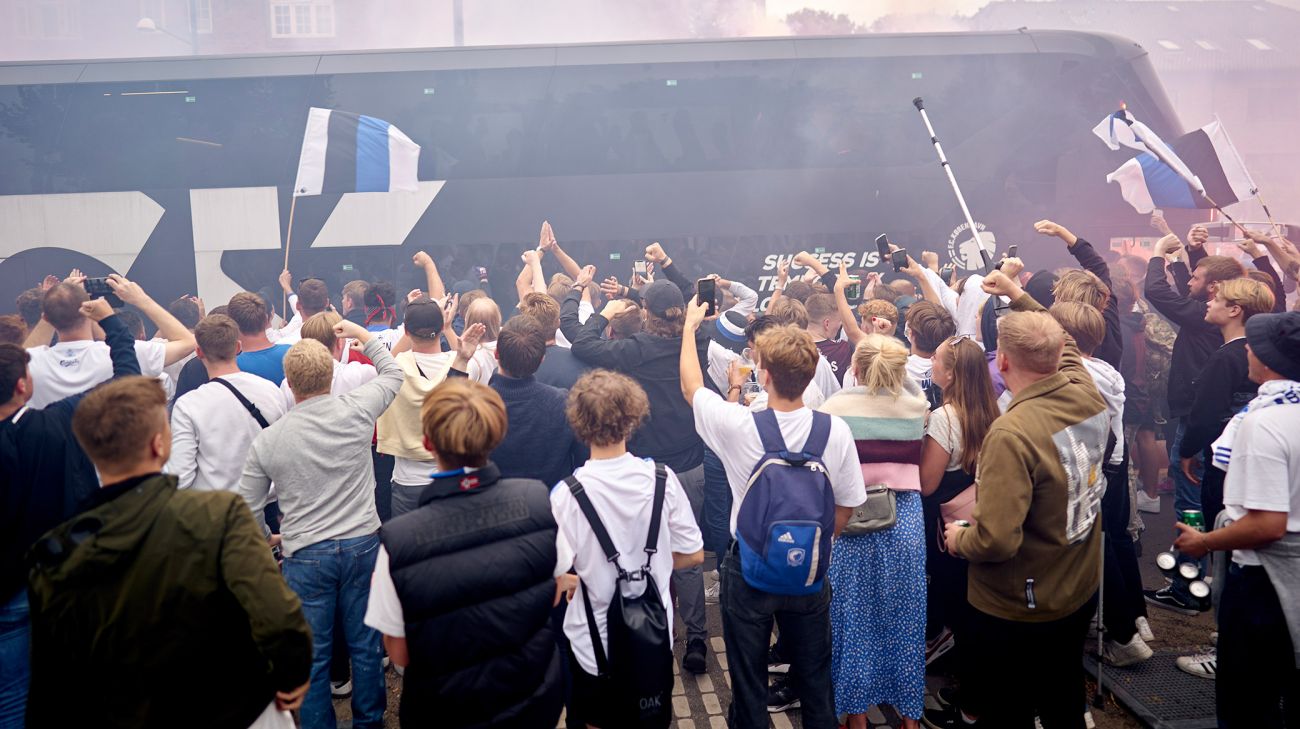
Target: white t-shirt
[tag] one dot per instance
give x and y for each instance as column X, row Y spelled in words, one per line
column 621, row 489
column 411, row 472
column 920, row 369
column 484, row 363
column 825, row 377
column 347, row 377
column 946, row 431
column 729, row 430
column 1265, row 471
column 68, row 368
column 212, row 431
column 812, row 398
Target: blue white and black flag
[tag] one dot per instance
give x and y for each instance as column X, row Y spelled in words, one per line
column 346, row 152
column 1191, row 171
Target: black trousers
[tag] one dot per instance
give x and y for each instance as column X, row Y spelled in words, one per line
column 805, row 624
column 1031, row 669
column 1258, row 684
column 1124, row 602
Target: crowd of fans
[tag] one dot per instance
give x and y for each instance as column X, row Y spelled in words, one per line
column 246, row 516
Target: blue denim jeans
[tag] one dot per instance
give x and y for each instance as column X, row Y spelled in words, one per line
column 15, row 660
column 1187, row 495
column 332, row 577
column 716, row 526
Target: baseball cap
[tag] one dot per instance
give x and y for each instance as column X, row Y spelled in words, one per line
column 423, row 318
column 1275, row 340
column 661, row 296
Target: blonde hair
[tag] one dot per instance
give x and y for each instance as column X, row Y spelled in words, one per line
column 486, row 312
column 605, row 407
column 789, row 356
column 464, row 421
column 1083, row 287
column 542, row 308
column 309, row 368
column 1252, row 296
column 1081, row 321
column 788, row 310
column 1033, row 340
column 880, row 363
column 879, row 309
column 321, row 328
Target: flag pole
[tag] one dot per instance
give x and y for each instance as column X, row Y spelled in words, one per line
column 943, row 162
column 288, row 240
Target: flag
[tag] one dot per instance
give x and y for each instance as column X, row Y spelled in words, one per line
column 1179, row 175
column 346, row 152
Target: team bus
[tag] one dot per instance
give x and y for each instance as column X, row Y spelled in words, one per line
column 732, row 153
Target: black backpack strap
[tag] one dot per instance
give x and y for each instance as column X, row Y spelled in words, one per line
column 817, row 437
column 248, row 405
column 598, row 648
column 589, row 511
column 769, row 431
column 656, row 513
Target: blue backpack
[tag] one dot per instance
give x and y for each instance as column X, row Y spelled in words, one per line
column 787, row 517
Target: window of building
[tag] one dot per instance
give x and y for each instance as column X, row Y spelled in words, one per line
column 203, row 16
column 46, row 19
column 302, row 18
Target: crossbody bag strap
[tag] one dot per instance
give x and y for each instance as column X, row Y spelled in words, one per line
column 248, row 405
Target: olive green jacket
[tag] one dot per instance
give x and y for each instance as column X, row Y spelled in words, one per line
column 158, row 607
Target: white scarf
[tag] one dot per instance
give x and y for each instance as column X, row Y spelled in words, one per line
column 1273, row 392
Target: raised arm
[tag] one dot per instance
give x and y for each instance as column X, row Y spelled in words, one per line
column 1174, row 306
column 547, row 244
column 374, row 397
column 655, row 254
column 1251, row 246
column 746, row 298
column 432, row 279
column 180, row 341
column 852, row 331
column 692, row 376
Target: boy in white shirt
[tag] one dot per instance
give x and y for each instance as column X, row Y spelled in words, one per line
column 604, row 408
column 347, row 375
column 77, row 362
column 212, row 427
column 787, row 358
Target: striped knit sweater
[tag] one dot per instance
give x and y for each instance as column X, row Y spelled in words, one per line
column 887, row 431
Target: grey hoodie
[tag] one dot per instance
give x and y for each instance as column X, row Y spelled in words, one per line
column 1110, row 384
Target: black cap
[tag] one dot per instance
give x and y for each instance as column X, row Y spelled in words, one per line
column 423, row 318
column 661, row 296
column 1275, row 340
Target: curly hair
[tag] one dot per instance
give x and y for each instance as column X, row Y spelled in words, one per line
column 605, row 407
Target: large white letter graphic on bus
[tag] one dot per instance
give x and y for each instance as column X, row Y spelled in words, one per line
column 114, row 227
column 111, row 226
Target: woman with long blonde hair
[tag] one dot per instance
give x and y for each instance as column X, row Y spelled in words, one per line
column 877, row 569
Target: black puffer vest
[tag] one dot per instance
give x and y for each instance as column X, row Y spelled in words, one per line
column 473, row 567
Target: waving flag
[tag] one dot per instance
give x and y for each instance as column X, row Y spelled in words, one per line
column 1197, row 165
column 346, row 152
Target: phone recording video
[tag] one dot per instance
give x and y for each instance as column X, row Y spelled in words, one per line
column 98, row 288
column 882, row 245
column 899, row 259
column 706, row 289
column 640, row 269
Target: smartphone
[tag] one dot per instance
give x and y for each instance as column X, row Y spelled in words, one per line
column 945, row 272
column 882, row 245
column 98, row 288
column 707, row 291
column 899, row 259
column 639, row 268
column 1013, row 251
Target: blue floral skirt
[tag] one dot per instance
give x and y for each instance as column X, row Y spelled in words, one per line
column 878, row 615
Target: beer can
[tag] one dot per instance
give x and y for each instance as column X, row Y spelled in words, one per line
column 1200, row 592
column 1193, row 518
column 1189, row 570
column 1167, row 562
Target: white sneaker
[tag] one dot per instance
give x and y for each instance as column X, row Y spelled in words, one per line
column 713, row 593
column 1144, row 630
column 1148, row 504
column 1125, row 654
column 341, row 689
column 1205, row 665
